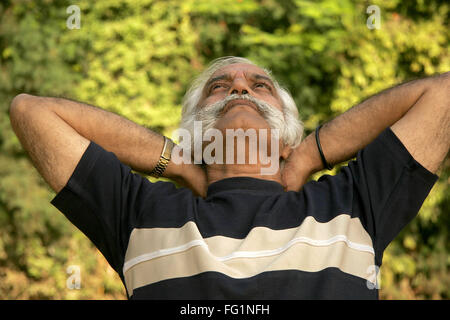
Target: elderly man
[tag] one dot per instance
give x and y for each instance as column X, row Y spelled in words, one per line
column 233, row 230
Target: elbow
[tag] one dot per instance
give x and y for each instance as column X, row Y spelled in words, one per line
column 445, row 77
column 19, row 110
column 446, row 81
column 439, row 87
column 443, row 83
column 18, row 104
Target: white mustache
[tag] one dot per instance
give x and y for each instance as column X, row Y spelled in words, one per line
column 209, row 114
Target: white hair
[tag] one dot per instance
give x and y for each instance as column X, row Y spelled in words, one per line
column 292, row 132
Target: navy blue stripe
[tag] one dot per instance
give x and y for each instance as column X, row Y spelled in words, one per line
column 330, row 283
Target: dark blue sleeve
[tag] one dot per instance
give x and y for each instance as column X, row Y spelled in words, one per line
column 389, row 188
column 105, row 199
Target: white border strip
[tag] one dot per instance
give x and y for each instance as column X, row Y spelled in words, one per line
column 247, row 254
column 313, row 242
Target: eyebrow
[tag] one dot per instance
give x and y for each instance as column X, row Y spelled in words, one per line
column 260, row 76
column 221, row 77
column 228, row 77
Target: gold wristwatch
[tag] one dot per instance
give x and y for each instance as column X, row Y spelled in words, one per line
column 164, row 159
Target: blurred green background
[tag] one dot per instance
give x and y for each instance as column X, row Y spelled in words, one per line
column 136, row 58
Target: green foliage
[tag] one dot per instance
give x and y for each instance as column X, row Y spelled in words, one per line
column 136, row 58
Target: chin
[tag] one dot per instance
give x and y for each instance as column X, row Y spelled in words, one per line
column 241, row 119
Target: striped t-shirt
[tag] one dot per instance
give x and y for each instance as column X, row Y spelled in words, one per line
column 248, row 239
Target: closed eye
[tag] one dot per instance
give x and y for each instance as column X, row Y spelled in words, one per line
column 263, row 85
column 217, row 86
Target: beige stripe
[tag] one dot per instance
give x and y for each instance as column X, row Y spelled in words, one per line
column 146, row 240
column 186, row 253
column 262, row 238
column 298, row 257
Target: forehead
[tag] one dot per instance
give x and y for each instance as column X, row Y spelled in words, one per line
column 234, row 68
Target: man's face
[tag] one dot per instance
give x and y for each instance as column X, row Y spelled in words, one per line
column 240, row 78
column 236, row 98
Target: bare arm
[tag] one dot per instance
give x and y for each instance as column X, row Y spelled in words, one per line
column 56, row 132
column 418, row 113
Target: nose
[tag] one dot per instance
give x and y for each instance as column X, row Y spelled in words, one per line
column 239, row 86
column 235, row 91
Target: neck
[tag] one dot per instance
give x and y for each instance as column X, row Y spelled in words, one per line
column 216, row 172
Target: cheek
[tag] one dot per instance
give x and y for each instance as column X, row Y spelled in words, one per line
column 270, row 99
column 210, row 100
column 276, row 102
column 275, row 105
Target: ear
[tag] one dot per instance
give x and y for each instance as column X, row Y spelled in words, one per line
column 285, row 151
